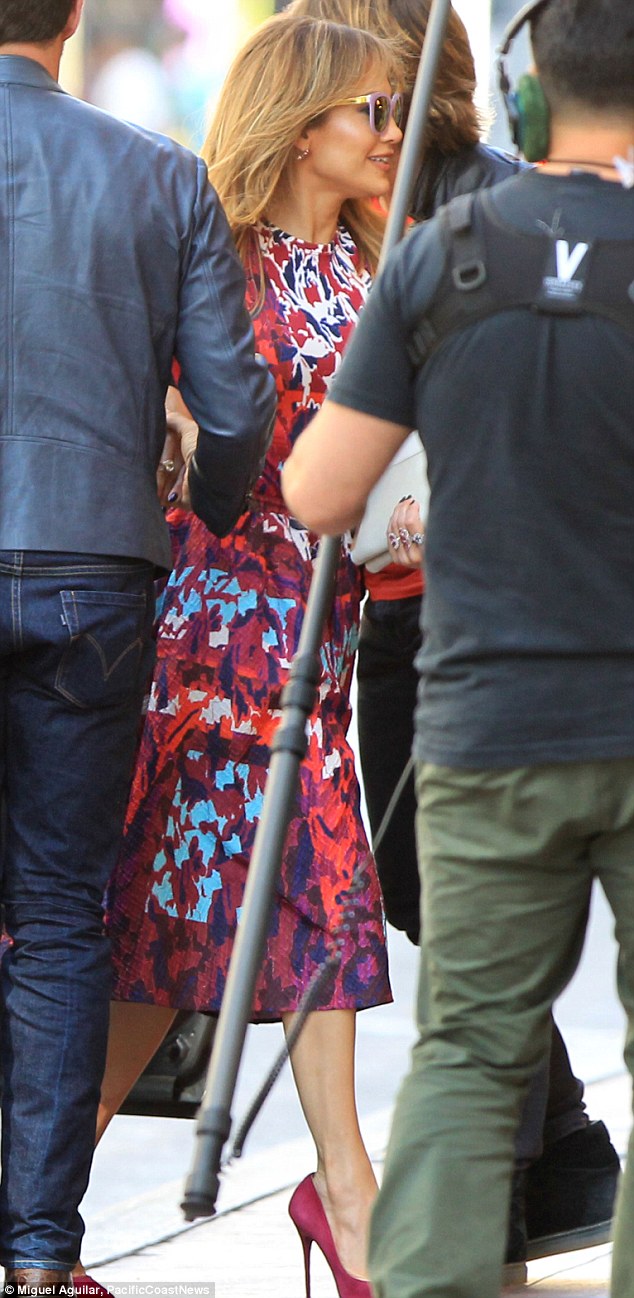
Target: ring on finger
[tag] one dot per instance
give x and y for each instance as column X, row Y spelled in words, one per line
column 394, row 540
column 167, row 465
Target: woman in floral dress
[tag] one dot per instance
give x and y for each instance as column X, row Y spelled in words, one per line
column 304, row 135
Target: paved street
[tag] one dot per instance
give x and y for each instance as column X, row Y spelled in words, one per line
column 135, row 1228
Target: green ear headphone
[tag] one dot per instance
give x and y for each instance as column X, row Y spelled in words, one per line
column 526, row 108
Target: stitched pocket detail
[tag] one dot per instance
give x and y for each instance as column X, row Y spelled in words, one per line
column 100, row 665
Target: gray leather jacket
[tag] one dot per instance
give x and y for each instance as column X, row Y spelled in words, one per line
column 116, row 258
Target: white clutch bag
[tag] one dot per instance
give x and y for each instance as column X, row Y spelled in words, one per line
column 406, row 475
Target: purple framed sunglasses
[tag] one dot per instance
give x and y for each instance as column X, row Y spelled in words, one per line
column 380, row 108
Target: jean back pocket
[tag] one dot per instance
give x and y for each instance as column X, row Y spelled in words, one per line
column 108, row 634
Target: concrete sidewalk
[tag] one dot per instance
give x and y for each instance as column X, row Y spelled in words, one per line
column 250, row 1249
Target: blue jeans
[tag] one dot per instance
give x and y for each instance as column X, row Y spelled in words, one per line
column 75, row 656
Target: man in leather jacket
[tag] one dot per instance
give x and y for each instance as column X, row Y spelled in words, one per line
column 117, row 259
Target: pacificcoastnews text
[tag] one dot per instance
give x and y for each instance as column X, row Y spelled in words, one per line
column 136, row 1289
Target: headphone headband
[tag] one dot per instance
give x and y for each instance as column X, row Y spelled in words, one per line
column 526, row 107
column 517, row 23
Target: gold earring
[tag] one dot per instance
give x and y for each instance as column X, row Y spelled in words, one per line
column 303, row 153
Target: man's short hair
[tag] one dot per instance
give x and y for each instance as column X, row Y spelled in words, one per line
column 584, row 52
column 32, row 21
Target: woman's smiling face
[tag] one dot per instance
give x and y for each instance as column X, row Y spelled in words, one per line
column 346, row 157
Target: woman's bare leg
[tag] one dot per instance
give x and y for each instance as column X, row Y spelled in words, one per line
column 323, row 1067
column 134, row 1035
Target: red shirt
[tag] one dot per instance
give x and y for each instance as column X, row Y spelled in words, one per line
column 394, row 582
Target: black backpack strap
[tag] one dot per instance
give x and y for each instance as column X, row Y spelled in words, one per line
column 491, row 267
column 465, row 272
column 468, row 271
column 608, row 283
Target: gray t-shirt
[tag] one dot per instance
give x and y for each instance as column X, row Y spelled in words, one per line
column 528, row 425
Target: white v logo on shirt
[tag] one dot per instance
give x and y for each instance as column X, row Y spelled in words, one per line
column 568, row 262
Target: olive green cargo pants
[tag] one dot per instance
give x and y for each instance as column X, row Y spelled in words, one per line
column 507, row 860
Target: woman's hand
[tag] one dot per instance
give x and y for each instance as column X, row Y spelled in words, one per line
column 170, row 466
column 180, row 443
column 182, row 435
column 405, row 535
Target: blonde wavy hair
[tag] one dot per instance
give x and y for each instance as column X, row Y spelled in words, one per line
column 291, row 71
column 453, row 118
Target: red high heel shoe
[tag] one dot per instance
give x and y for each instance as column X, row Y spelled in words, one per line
column 306, row 1211
column 84, row 1284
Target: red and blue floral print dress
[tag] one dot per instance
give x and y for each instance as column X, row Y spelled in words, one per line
column 230, row 619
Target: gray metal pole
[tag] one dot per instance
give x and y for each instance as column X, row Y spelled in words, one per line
column 214, row 1121
column 412, row 147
